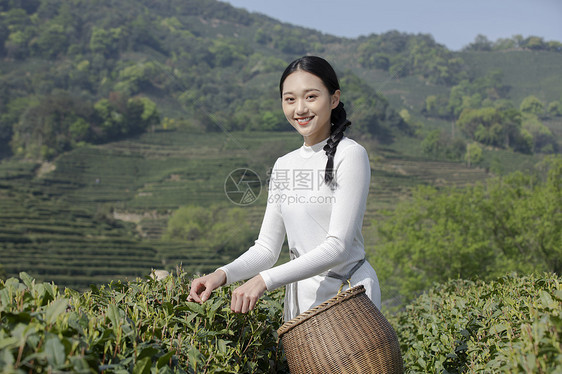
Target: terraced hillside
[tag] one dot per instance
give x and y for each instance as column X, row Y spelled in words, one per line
column 70, row 243
column 60, row 242
column 97, row 213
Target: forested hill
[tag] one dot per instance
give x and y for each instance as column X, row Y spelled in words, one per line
column 92, row 71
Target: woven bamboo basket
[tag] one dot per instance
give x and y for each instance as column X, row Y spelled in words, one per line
column 345, row 334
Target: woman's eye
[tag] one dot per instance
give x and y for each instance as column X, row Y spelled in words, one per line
column 289, row 99
column 311, row 97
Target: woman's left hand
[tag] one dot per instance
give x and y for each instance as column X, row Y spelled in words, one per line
column 245, row 297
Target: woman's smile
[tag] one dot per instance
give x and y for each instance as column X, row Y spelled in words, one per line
column 304, row 121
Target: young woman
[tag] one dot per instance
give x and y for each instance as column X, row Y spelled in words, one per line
column 317, row 197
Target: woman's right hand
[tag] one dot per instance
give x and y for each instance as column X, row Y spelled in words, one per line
column 202, row 287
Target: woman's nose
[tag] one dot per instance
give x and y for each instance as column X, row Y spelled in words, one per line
column 301, row 107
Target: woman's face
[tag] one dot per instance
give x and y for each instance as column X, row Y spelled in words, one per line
column 308, row 105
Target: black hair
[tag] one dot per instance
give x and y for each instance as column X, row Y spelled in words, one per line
column 339, row 122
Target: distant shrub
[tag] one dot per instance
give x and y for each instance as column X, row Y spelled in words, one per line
column 223, row 229
column 439, row 145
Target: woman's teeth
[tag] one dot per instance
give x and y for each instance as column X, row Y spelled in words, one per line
column 303, row 121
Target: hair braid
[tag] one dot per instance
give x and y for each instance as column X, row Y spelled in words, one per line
column 339, row 124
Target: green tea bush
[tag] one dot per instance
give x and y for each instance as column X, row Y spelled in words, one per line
column 143, row 326
column 509, row 325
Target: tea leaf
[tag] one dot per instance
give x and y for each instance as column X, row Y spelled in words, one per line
column 27, row 280
column 147, row 352
column 54, row 351
column 114, row 316
column 55, row 309
column 162, row 361
column 142, row 366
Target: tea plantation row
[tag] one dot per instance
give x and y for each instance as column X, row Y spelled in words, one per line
column 509, row 325
column 68, row 243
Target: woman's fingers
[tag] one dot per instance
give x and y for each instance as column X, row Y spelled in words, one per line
column 196, row 289
column 206, row 294
column 245, row 297
column 202, row 287
column 242, row 303
column 252, row 304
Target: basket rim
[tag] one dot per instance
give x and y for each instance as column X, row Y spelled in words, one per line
column 352, row 292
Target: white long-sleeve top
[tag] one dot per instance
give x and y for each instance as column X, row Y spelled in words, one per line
column 323, row 226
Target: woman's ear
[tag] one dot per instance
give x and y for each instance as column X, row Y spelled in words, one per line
column 335, row 99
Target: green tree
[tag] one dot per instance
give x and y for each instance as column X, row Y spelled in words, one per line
column 136, row 78
column 109, row 117
column 494, row 126
column 431, row 104
column 16, row 19
column 502, row 44
column 51, row 42
column 534, row 42
column 457, row 102
column 554, row 109
column 272, row 120
column 227, row 52
column 473, row 155
column 18, row 30
column 80, row 130
column 120, row 116
column 543, row 139
column 220, row 228
column 490, row 135
column 555, row 46
column 289, row 40
column 480, row 43
column 261, row 37
column 9, row 117
column 437, row 106
column 369, row 111
column 17, row 44
column 142, row 33
column 472, row 121
column 43, row 130
column 477, row 93
column 440, row 145
column 531, row 104
column 150, row 115
column 509, row 224
column 105, row 42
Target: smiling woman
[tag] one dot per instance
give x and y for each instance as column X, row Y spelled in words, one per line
column 317, row 198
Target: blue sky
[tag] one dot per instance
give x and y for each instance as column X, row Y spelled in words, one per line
column 454, row 23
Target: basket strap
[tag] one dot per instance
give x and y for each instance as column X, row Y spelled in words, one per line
column 292, row 287
column 346, row 277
